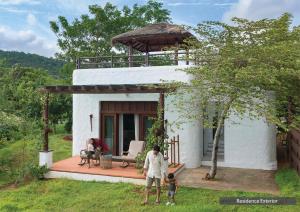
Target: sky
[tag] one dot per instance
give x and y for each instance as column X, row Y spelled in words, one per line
column 24, row 24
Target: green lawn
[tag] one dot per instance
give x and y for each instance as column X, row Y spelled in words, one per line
column 68, row 195
column 62, row 149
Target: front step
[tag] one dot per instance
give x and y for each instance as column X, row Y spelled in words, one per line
column 207, row 157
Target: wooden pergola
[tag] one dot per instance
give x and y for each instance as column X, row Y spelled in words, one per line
column 151, row 38
column 97, row 89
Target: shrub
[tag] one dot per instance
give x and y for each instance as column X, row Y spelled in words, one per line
column 9, row 126
column 37, row 172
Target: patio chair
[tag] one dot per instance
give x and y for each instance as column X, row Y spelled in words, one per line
column 135, row 148
column 86, row 158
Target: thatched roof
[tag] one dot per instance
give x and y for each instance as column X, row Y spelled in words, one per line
column 153, row 37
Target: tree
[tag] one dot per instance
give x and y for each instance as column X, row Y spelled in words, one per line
column 20, row 97
column 247, row 69
column 91, row 34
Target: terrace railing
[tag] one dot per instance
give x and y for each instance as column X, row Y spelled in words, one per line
column 136, row 60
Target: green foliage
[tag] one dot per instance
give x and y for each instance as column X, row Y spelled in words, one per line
column 288, row 182
column 10, row 126
column 91, row 34
column 19, row 159
column 37, row 172
column 20, row 98
column 155, row 136
column 9, row 59
column 66, row 72
column 248, row 68
column 14, row 159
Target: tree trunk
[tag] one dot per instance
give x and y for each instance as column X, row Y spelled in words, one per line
column 213, row 169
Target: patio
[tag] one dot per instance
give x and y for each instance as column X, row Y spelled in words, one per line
column 70, row 169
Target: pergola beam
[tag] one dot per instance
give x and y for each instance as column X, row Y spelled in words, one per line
column 103, row 89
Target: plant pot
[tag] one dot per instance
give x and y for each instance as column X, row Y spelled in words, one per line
column 46, row 158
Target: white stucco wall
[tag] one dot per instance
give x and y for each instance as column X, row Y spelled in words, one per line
column 86, row 104
column 249, row 143
column 190, row 136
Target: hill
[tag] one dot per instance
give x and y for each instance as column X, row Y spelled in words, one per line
column 10, row 58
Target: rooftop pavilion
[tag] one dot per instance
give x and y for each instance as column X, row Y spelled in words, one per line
column 154, row 45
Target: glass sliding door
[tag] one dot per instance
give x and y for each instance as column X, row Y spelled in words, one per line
column 148, row 122
column 109, row 132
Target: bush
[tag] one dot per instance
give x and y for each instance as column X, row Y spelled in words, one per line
column 37, row 172
column 9, row 126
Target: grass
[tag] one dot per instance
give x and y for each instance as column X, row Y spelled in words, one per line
column 68, row 195
column 62, row 149
column 12, row 157
column 288, row 182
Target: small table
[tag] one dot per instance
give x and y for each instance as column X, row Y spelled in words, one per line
column 106, row 161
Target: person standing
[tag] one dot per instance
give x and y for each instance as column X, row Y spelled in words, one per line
column 172, row 188
column 154, row 171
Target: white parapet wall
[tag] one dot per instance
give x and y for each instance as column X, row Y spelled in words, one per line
column 46, row 159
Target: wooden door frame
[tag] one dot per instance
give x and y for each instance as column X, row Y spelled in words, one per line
column 139, row 108
column 115, row 150
column 142, row 125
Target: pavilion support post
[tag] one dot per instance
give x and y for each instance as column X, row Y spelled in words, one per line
column 46, row 155
column 78, row 63
column 147, row 56
column 187, row 62
column 112, row 61
column 130, row 52
column 176, row 53
column 147, row 59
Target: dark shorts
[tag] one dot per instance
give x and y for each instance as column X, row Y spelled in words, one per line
column 150, row 181
column 171, row 193
column 90, row 153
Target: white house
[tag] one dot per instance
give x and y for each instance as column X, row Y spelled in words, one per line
column 115, row 103
column 248, row 144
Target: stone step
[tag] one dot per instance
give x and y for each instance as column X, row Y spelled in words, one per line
column 208, row 154
column 219, row 150
column 211, row 145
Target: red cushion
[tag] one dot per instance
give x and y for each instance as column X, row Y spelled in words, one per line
column 102, row 144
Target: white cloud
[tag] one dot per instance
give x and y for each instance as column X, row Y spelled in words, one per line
column 17, row 2
column 175, row 4
column 224, row 4
column 26, row 41
column 221, row 3
column 31, row 19
column 258, row 9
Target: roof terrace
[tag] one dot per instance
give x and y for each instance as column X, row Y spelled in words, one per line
column 150, row 43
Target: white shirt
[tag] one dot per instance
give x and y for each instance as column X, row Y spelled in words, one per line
column 90, row 147
column 154, row 164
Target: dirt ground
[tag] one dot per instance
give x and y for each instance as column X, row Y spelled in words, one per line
column 231, row 179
